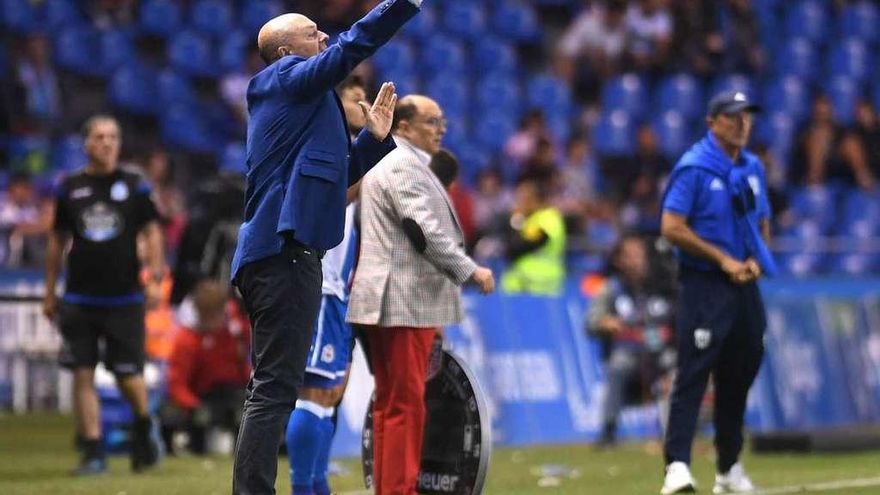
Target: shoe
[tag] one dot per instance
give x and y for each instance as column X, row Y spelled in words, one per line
column 734, row 481
column 91, row 467
column 678, row 479
column 146, row 445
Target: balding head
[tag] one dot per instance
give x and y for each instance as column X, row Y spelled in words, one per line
column 290, row 34
column 419, row 120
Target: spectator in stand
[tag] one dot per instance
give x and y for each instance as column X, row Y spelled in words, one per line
column 522, row 145
column 541, row 164
column 233, row 86
column 867, row 132
column 593, row 46
column 492, row 204
column 209, row 368
column 576, row 187
column 37, row 105
column 649, row 26
column 445, row 166
column 112, row 13
column 640, row 211
column 168, row 197
column 24, row 223
column 825, row 151
column 740, row 30
column 697, row 39
column 775, row 186
column 622, row 172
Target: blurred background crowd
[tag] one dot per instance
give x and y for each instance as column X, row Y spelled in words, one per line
column 596, row 99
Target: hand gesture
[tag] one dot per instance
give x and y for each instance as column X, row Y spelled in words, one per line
column 738, row 271
column 484, row 279
column 381, row 114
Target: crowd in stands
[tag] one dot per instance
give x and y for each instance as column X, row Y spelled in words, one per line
column 598, row 98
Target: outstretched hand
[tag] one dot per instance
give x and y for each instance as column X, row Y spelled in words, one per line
column 381, row 114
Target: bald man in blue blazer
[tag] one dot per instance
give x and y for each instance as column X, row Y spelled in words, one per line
column 301, row 163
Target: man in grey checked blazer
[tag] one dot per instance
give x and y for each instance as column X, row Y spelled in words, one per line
column 407, row 285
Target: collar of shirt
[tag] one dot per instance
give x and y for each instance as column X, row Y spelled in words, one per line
column 423, row 155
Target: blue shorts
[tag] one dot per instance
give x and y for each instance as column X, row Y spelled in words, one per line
column 330, row 353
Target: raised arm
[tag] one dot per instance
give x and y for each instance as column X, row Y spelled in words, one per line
column 307, row 79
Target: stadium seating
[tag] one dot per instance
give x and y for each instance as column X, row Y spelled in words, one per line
column 808, row 18
column 133, row 88
column 232, row 48
column 255, row 13
column 444, row 54
column 797, row 57
column 614, row 134
column 192, row 53
column 787, row 95
column 494, row 56
column 160, row 18
column 627, row 92
column 859, row 20
column 77, row 49
column 682, row 93
column 844, row 93
column 464, row 18
column 674, row 135
column 213, row 17
column 117, row 48
column 850, row 58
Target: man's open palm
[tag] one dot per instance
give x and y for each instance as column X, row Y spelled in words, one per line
column 381, row 114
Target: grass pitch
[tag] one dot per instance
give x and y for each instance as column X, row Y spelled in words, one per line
column 36, row 455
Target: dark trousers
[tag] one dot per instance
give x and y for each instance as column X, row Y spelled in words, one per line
column 282, row 295
column 720, row 330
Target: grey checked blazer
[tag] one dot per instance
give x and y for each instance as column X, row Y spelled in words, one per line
column 395, row 285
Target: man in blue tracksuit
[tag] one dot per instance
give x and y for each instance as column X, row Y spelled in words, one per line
column 716, row 212
column 300, row 162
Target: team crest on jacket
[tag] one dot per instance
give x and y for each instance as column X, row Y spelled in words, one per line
column 328, row 353
column 119, row 191
column 702, row 338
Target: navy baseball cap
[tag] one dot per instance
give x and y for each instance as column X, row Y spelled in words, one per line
column 729, row 102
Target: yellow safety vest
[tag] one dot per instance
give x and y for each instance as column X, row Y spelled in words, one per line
column 541, row 271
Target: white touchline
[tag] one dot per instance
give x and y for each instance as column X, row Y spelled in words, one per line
column 826, row 486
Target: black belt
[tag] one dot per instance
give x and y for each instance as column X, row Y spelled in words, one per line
column 292, row 243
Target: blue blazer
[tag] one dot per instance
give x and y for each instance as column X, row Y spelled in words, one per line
column 300, row 157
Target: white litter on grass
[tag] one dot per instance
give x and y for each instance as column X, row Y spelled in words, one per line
column 549, row 482
column 826, row 486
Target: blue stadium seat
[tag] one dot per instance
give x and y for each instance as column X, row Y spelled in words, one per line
column 614, row 134
column 255, row 13
column 442, row 54
column 160, row 18
column 815, row 206
column 808, row 18
column 859, row 20
column 233, row 158
column 133, row 88
column 77, row 49
column 473, row 160
column 214, row 17
column 850, row 57
column 550, row 94
column 456, row 135
column 421, row 26
column 860, row 217
column 683, row 93
column 858, row 264
column 797, row 57
column 451, row 93
column 493, row 130
column 174, row 88
column 498, row 91
column 844, row 93
column 516, row 22
column 395, row 56
column 491, row 55
column 405, row 82
column 68, row 153
column 734, row 82
column 801, row 264
column 876, row 89
column 673, row 134
column 192, row 53
column 117, row 48
column 18, row 16
column 184, row 127
column 627, row 92
column 788, row 95
column 464, row 18
column 233, row 48
column 777, row 130
column 61, row 13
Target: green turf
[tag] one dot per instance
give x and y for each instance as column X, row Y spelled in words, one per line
column 36, row 455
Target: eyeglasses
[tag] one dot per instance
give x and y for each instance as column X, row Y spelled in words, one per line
column 437, row 122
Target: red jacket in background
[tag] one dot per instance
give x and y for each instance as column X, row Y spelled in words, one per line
column 203, row 359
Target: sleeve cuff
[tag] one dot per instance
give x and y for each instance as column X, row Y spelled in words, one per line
column 417, row 3
column 463, row 272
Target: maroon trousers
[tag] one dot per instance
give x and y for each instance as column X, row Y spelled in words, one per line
column 399, row 358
